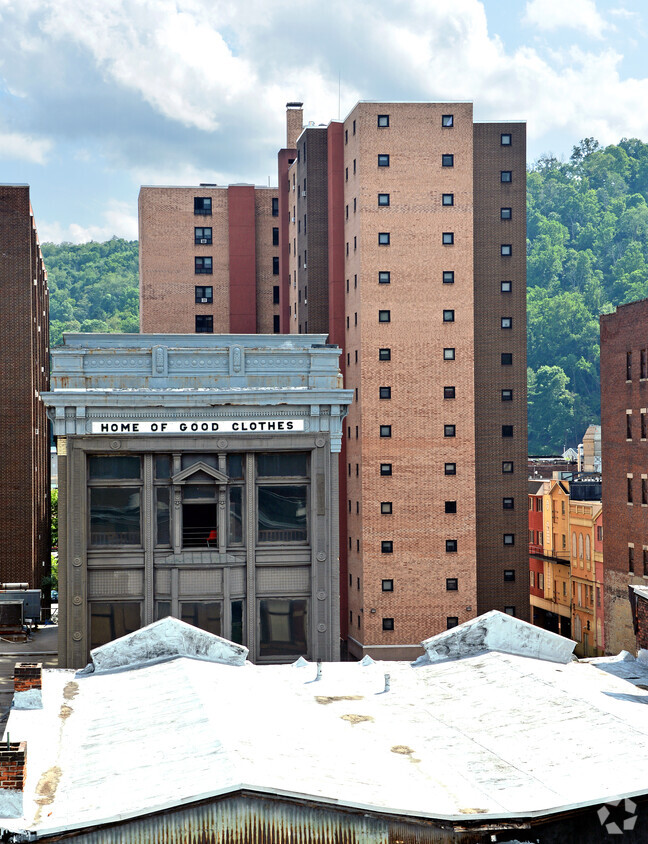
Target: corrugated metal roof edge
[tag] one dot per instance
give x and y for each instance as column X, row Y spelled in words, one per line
column 466, row 820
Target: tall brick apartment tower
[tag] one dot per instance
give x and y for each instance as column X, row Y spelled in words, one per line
column 408, row 222
column 402, row 234
column 624, row 432
column 24, row 373
column 209, row 259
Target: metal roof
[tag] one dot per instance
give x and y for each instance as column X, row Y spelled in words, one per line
column 492, row 735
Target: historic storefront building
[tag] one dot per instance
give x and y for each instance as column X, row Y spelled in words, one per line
column 198, row 478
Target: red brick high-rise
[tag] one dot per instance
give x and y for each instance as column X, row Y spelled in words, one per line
column 624, row 433
column 402, row 235
column 24, row 373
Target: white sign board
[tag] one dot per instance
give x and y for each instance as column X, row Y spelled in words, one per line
column 197, row 426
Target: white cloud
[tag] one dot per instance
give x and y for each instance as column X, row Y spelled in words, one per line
column 16, row 146
column 119, row 221
column 549, row 15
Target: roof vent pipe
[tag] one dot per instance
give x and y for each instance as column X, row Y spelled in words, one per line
column 319, row 669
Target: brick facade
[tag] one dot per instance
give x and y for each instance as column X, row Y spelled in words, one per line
column 240, row 247
column 642, row 622
column 24, row 373
column 624, row 419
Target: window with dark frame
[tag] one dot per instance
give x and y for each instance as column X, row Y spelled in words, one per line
column 507, row 467
column 448, row 353
column 449, row 392
column 447, row 199
column 204, row 324
column 204, row 295
column 385, row 469
column 506, row 322
column 447, row 238
column 383, row 160
column 203, row 265
column 275, row 294
column 275, row 206
column 507, row 395
column 507, row 430
column 505, row 139
column 388, row 585
column 383, row 121
column 506, row 286
column 644, row 491
column 383, row 199
column 506, row 250
column 384, row 392
column 386, row 546
column 628, row 426
column 447, row 120
column 384, row 316
column 451, row 546
column 508, row 539
column 448, row 276
column 644, row 427
column 629, row 489
column 385, row 431
column 275, row 236
column 506, row 176
column 450, row 468
column 384, row 277
column 448, row 316
column 452, row 621
column 506, row 213
column 388, row 624
column 275, row 266
column 510, row 611
column 202, row 235
column 447, row 159
column 202, row 205
column 631, row 559
column 385, row 508
column 452, row 584
column 384, row 239
column 628, row 366
column 508, row 503
column 507, row 358
column 450, row 506
column 449, row 430
column 509, row 575
column 643, row 371
column 384, row 354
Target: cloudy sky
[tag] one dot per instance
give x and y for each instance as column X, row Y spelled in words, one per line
column 97, row 98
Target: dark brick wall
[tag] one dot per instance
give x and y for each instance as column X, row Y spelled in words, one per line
column 622, row 332
column 312, row 282
column 642, row 622
column 491, row 340
column 24, row 372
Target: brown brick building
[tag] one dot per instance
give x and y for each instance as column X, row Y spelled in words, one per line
column 402, row 233
column 624, row 426
column 24, row 373
column 209, row 259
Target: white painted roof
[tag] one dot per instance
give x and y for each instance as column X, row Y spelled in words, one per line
column 491, row 735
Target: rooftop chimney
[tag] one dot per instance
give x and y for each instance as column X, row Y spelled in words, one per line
column 13, row 770
column 28, row 685
column 294, row 123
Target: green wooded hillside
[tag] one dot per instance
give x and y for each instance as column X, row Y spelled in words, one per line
column 93, row 286
column 587, row 252
column 587, row 248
